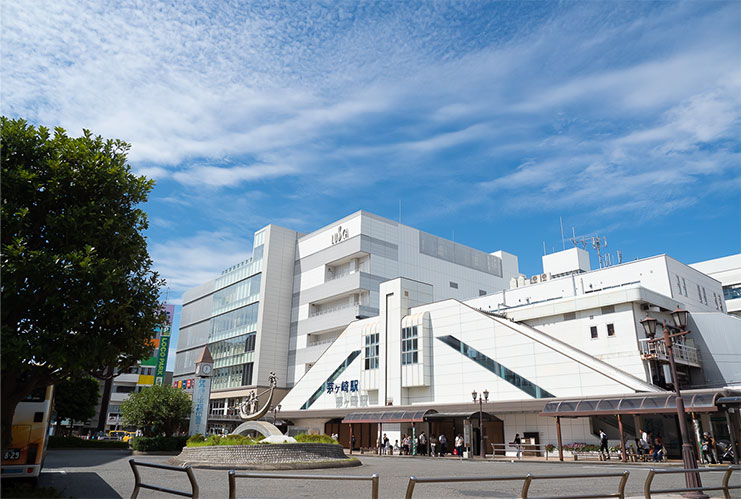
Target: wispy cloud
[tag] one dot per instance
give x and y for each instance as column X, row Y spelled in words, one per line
column 186, row 262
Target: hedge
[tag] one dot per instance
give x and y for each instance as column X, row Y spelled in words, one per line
column 315, row 439
column 158, row 443
column 80, row 443
column 211, row 440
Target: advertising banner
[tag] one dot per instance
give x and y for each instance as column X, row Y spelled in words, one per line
column 199, row 412
column 159, row 374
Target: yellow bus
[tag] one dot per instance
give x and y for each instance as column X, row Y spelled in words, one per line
column 31, row 421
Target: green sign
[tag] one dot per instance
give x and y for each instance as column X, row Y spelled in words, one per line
column 159, row 374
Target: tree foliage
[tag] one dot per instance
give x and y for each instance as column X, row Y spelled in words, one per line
column 75, row 399
column 158, row 409
column 78, row 292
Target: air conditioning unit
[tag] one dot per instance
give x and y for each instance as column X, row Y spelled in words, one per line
column 544, row 277
column 644, row 307
column 534, row 279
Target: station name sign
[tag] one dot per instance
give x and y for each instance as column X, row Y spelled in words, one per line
column 343, row 386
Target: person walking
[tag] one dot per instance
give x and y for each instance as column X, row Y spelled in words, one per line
column 386, row 444
column 603, row 449
column 517, row 442
column 352, row 442
column 443, row 441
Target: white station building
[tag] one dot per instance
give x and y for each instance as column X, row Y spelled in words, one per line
column 374, row 327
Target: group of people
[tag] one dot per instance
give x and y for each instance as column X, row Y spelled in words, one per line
column 438, row 446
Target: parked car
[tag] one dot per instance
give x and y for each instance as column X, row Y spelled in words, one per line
column 121, row 435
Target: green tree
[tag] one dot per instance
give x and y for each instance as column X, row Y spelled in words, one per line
column 75, row 399
column 156, row 410
column 78, row 292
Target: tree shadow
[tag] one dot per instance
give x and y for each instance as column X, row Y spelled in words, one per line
column 79, row 485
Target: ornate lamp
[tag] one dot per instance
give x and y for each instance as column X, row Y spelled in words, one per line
column 649, row 325
column 680, row 318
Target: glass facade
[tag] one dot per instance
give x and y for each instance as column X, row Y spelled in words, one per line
column 234, row 323
column 237, row 295
column 233, row 351
column 409, row 348
column 495, row 367
column 231, row 377
column 371, row 351
column 732, row 292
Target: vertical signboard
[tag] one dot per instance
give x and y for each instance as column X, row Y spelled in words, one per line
column 199, row 412
column 164, row 347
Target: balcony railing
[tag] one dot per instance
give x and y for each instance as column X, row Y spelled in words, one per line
column 682, row 353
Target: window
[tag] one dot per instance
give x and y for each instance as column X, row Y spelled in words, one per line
column 409, row 346
column 732, row 292
column 699, row 293
column 371, row 351
column 124, row 389
column 704, row 296
column 453, row 285
column 569, row 316
column 482, row 292
column 610, row 309
column 593, row 332
column 679, row 285
column 611, row 330
column 684, row 286
column 247, row 374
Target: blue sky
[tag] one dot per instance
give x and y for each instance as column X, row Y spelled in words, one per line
column 488, row 121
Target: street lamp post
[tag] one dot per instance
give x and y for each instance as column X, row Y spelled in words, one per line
column 481, row 400
column 692, row 478
column 276, row 410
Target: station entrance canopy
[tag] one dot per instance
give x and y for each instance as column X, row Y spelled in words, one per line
column 388, row 416
column 639, row 403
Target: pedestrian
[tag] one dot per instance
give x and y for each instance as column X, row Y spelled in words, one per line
column 396, row 448
column 352, row 442
column 658, row 448
column 707, row 449
column 385, row 444
column 443, row 441
column 422, row 444
column 644, row 445
column 517, row 443
column 459, row 446
column 603, row 449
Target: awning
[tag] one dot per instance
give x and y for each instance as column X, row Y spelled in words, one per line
column 729, row 400
column 640, row 403
column 465, row 415
column 388, row 416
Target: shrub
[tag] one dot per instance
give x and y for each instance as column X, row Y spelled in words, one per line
column 315, row 439
column 212, row 440
column 80, row 443
column 158, row 443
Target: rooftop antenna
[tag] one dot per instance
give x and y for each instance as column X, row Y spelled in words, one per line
column 620, row 256
column 400, row 211
column 544, row 252
column 563, row 241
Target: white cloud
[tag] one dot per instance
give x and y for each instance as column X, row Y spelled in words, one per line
column 189, row 261
column 214, row 176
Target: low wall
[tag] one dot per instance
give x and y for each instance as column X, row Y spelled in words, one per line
column 265, row 456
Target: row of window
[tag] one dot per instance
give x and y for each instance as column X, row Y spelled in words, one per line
column 702, row 296
column 454, row 285
column 595, row 334
column 409, row 348
column 232, row 377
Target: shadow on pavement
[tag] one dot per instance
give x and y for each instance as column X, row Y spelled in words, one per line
column 79, row 485
column 83, row 458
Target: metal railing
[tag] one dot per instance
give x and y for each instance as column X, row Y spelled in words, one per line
column 658, row 351
column 725, row 486
column 138, row 485
column 233, row 475
column 527, row 480
column 537, row 449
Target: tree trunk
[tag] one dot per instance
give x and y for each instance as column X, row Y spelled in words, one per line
column 104, row 401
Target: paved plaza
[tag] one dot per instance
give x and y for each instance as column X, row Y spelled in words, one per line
column 106, row 474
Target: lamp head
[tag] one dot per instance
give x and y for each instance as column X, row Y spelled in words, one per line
column 486, row 395
column 649, row 326
column 474, row 394
column 680, row 318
